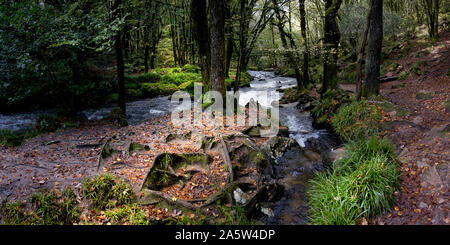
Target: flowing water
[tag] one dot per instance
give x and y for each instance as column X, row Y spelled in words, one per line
column 293, row 169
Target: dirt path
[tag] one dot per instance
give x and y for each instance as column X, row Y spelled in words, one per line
column 420, row 129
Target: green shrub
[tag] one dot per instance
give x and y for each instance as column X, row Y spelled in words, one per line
column 106, row 191
column 357, row 120
column 191, row 68
column 362, row 184
column 10, row 138
column 327, row 106
column 156, row 89
column 47, row 123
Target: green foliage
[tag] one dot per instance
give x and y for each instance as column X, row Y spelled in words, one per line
column 150, row 77
column 48, row 209
column 156, row 89
column 364, row 150
column 106, row 191
column 357, row 120
column 13, row 213
column 327, row 106
column 245, row 80
column 191, row 68
column 403, row 75
column 134, row 93
column 188, row 87
column 48, row 123
column 10, row 138
column 234, row 216
column 362, row 185
column 131, row 214
column 180, row 78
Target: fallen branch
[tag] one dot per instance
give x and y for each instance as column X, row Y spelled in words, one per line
column 387, row 79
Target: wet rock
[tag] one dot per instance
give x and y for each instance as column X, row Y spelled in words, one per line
column 336, row 154
column 267, row 210
column 277, row 146
column 240, row 197
column 312, row 155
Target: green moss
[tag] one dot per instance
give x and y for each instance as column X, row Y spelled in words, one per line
column 424, row 96
column 327, row 106
column 180, row 78
column 389, row 107
column 191, row 68
column 150, row 77
column 156, row 89
column 357, row 120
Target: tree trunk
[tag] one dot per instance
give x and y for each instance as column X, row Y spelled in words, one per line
column 331, row 43
column 361, row 56
column 229, row 47
column 292, row 55
column 201, row 32
column 305, row 42
column 119, row 61
column 371, row 84
column 242, row 43
column 217, row 15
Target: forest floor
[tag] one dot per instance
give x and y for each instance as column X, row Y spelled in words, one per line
column 417, row 120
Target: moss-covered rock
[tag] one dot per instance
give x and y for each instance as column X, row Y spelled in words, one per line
column 424, row 95
column 156, row 89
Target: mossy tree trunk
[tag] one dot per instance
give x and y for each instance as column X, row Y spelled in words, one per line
column 432, row 11
column 371, row 84
column 331, row 44
column 305, row 42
